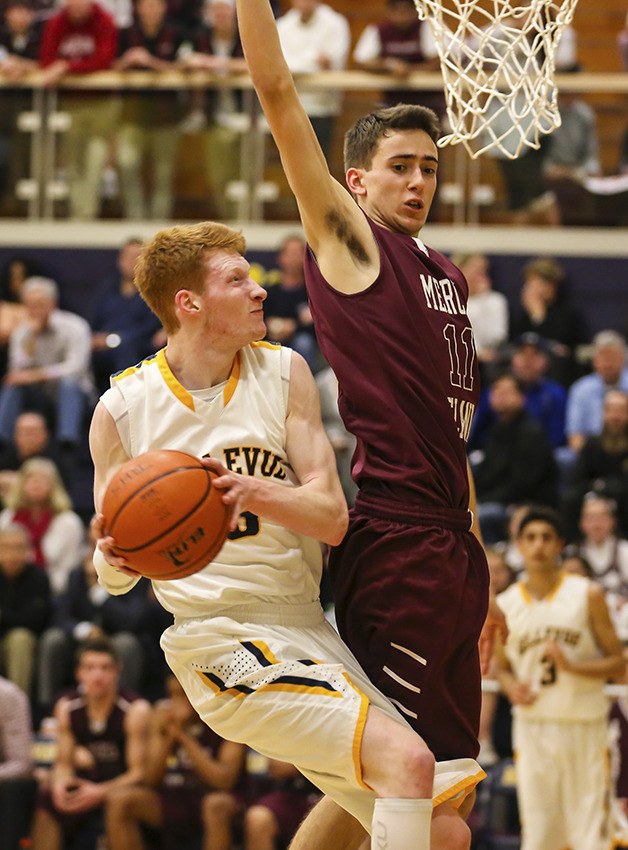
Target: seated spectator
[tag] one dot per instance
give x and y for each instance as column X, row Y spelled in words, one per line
column 607, row 553
column 154, row 623
column 516, row 465
column 12, row 311
column 602, row 466
column 400, row 44
column 572, row 152
column 85, row 611
column 280, row 798
column 17, row 785
column 39, row 502
column 102, row 737
column 124, row 328
column 31, row 438
column 571, row 158
column 25, row 606
column 316, row 38
column 286, row 309
column 546, row 399
column 78, row 39
column 573, row 561
column 487, row 310
column 49, row 365
column 148, row 131
column 547, row 311
column 189, row 779
column 216, row 111
column 585, row 400
column 20, row 35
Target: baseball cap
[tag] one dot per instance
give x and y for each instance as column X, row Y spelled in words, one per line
column 535, row 340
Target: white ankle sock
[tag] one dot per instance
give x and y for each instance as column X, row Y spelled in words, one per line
column 400, row 824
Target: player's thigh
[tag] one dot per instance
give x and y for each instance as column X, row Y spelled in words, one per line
column 137, row 802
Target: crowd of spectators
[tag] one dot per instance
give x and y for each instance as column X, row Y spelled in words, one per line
column 549, row 430
column 128, row 142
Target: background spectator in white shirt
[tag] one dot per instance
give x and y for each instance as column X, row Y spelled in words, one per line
column 315, row 38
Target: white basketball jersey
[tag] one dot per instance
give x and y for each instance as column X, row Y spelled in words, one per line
column 243, row 426
column 563, row 616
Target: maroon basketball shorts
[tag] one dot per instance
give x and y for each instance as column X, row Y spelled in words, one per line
column 411, row 595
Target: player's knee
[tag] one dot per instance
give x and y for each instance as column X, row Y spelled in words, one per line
column 121, row 802
column 218, row 806
column 259, row 820
column 418, row 763
column 409, row 771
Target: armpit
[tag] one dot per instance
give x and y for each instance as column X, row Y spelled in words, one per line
column 341, row 228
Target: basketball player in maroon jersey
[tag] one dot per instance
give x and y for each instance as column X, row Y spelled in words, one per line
column 411, row 581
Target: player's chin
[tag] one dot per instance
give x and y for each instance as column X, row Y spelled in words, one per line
column 412, row 220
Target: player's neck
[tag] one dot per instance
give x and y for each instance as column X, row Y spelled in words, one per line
column 541, row 582
column 199, row 368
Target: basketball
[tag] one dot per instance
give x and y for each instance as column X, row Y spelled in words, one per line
column 165, row 515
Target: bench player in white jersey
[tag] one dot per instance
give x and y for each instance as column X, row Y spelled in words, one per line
column 250, row 644
column 560, row 650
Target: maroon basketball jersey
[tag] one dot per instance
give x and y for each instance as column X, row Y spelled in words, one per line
column 404, row 357
column 106, row 743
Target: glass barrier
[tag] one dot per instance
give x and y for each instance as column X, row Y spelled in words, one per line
column 143, row 146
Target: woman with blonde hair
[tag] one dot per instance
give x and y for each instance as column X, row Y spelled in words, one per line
column 39, row 501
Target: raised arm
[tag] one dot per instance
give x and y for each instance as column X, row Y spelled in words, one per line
column 331, row 219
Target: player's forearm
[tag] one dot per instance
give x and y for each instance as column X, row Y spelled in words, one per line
column 261, row 46
column 606, row 667
column 311, row 508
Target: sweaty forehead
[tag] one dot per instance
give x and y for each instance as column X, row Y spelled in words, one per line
column 223, row 261
column 414, row 143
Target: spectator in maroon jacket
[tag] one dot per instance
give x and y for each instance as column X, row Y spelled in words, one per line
column 81, row 39
column 399, row 45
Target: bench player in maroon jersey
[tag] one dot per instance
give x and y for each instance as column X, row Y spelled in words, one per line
column 411, row 581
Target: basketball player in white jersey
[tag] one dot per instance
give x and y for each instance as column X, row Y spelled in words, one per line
column 249, row 643
column 560, row 650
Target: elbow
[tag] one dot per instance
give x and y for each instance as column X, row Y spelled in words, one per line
column 273, row 88
column 337, row 526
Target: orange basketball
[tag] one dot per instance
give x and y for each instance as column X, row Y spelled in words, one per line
column 166, row 517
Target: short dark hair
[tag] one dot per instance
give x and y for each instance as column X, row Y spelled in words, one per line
column 547, row 268
column 505, row 374
column 542, row 513
column 98, row 644
column 362, row 138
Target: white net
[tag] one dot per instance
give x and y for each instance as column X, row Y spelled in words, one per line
column 498, row 62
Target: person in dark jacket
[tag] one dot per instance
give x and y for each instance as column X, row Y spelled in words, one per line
column 87, row 612
column 25, row 605
column 517, row 465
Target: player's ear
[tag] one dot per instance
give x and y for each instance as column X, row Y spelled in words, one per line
column 354, row 181
column 187, row 301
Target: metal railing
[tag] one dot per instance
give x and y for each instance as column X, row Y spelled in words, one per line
column 45, row 123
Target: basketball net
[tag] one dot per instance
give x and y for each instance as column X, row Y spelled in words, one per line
column 498, row 61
